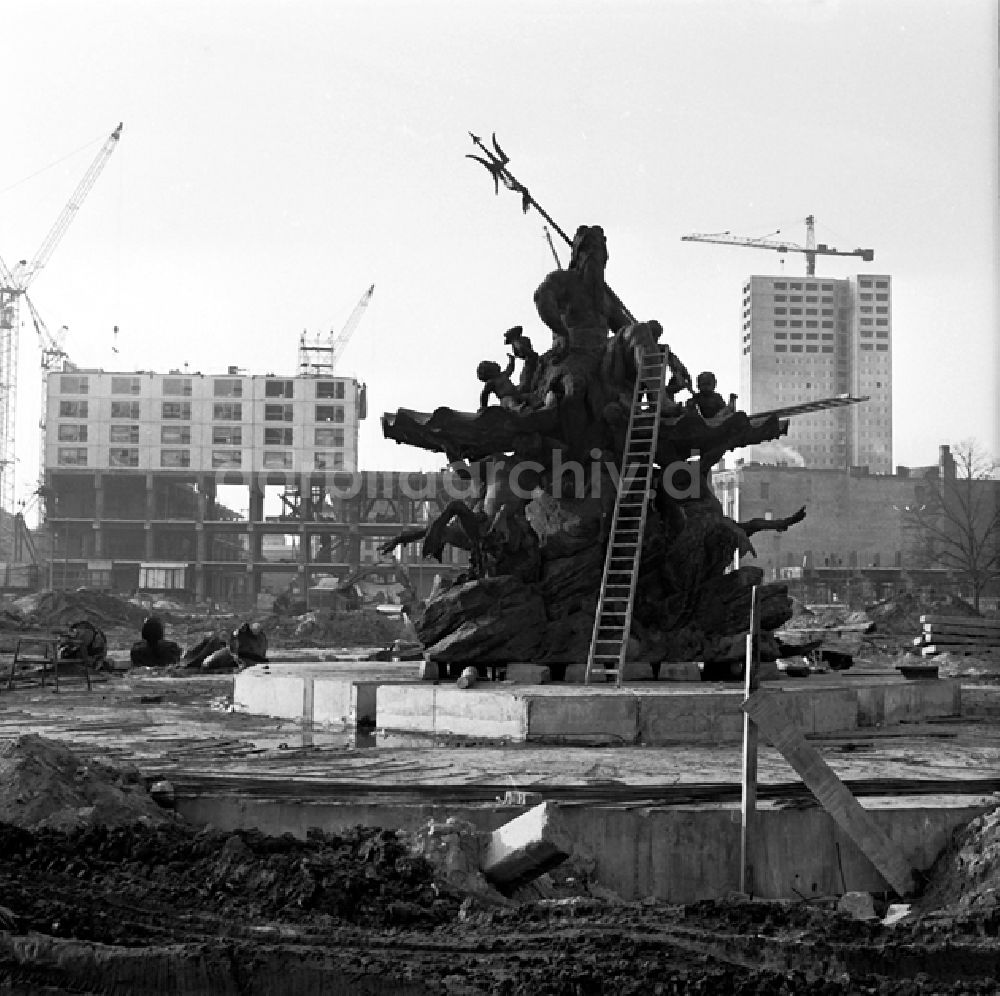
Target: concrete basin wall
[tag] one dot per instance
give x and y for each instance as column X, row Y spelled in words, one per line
column 679, row 854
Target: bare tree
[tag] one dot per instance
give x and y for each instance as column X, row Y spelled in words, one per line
column 956, row 517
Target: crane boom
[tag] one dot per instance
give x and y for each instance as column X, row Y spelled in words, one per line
column 27, row 272
column 340, row 343
column 811, row 249
column 13, row 287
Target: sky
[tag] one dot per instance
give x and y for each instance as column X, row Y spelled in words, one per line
column 279, row 156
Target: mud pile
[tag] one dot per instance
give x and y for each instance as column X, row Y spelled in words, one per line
column 963, row 886
column 58, row 610
column 365, row 877
column 44, row 784
column 900, row 616
column 329, row 628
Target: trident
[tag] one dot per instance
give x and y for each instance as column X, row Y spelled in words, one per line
column 496, row 164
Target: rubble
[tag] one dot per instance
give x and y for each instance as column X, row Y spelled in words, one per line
column 45, row 784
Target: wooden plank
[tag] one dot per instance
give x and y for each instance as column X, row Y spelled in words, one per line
column 832, row 794
column 963, row 641
column 982, row 632
column 962, row 621
column 748, row 805
column 938, row 648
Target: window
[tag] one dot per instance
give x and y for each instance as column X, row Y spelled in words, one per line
column 277, row 437
column 794, row 335
column 796, row 323
column 123, row 433
column 781, row 286
column 175, row 435
column 177, row 386
column 162, row 578
column 71, row 456
column 826, row 349
column 277, row 413
column 796, row 311
column 781, row 349
column 329, row 461
column 227, row 411
column 796, row 349
column 812, row 349
column 797, row 287
column 881, row 321
column 72, row 433
column 175, row 458
column 72, row 409
column 277, row 459
column 329, row 413
column 278, row 389
column 226, row 458
column 227, row 435
column 777, row 335
column 228, row 388
column 780, row 323
column 125, row 409
column 74, row 384
column 330, row 389
column 124, row 457
column 880, row 347
column 125, row 385
column 176, row 409
column 881, row 335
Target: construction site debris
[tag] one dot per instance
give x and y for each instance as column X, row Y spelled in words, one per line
column 57, row 610
column 44, row 783
column 963, row 885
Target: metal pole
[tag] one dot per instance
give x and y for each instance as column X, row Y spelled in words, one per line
column 748, row 809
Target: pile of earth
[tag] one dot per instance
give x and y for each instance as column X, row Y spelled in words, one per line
column 330, row 628
column 962, row 891
column 900, row 616
column 57, row 610
column 45, row 784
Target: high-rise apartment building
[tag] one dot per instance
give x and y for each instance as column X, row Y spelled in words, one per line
column 806, row 338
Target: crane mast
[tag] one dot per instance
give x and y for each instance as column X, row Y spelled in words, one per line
column 811, row 250
column 319, row 357
column 13, row 288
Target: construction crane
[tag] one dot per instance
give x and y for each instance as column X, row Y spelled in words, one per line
column 811, row 249
column 319, row 357
column 13, row 288
column 54, row 359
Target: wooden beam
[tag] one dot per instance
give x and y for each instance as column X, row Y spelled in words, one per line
column 832, row 794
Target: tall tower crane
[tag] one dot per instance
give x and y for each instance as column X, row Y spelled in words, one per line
column 319, row 357
column 811, row 249
column 13, row 288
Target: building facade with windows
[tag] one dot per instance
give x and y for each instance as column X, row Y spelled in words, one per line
column 807, row 338
column 218, row 486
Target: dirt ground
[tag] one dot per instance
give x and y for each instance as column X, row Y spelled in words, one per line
column 142, row 909
column 104, row 891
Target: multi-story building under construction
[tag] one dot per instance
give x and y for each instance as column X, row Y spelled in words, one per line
column 221, row 486
column 806, row 338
